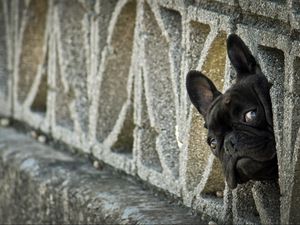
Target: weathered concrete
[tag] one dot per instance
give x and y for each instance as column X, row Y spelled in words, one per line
column 40, row 185
column 108, row 77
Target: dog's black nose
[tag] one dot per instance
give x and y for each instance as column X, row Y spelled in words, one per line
column 230, row 144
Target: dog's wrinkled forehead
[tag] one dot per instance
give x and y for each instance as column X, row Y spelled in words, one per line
column 218, row 116
column 227, row 107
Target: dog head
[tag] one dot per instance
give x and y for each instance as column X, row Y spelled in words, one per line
column 239, row 122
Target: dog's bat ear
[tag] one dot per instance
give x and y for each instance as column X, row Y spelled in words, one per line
column 241, row 57
column 201, row 91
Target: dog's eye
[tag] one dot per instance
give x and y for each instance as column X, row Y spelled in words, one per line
column 250, row 116
column 213, row 143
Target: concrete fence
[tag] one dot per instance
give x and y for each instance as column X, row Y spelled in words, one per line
column 108, row 77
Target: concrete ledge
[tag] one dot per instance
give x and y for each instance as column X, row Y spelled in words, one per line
column 41, row 185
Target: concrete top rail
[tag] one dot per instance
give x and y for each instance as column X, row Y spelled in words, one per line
column 39, row 185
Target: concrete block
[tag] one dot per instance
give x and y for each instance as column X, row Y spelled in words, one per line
column 159, row 90
column 112, row 135
column 68, row 18
column 26, row 60
column 115, row 70
column 201, row 173
column 197, row 162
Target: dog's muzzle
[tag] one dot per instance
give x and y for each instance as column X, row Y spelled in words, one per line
column 249, row 158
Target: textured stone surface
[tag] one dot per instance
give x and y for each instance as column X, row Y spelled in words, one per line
column 5, row 63
column 41, row 185
column 108, row 78
column 32, row 46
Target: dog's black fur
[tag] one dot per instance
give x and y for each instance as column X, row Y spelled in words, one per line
column 239, row 122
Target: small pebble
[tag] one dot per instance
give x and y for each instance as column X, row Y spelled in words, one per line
column 4, row 122
column 96, row 164
column 219, row 194
column 42, row 139
column 212, row 223
column 33, row 134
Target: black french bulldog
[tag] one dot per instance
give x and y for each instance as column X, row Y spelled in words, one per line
column 239, row 122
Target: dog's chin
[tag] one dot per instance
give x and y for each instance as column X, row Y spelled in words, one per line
column 245, row 169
